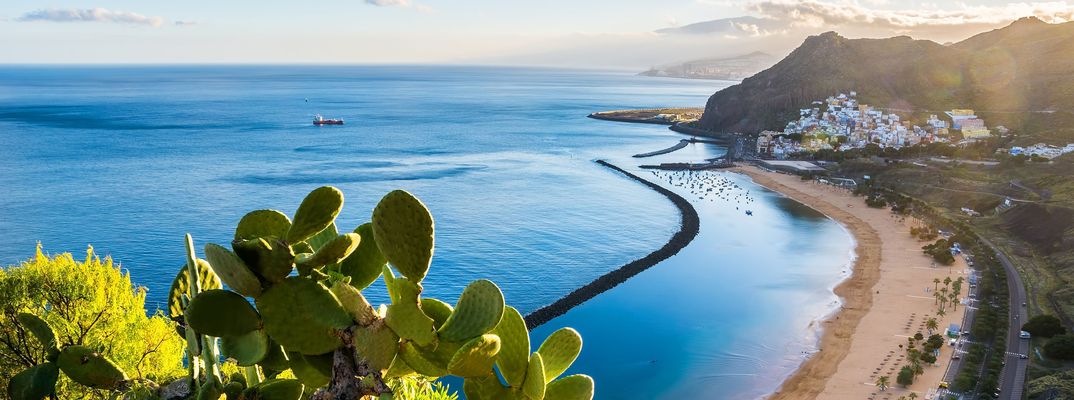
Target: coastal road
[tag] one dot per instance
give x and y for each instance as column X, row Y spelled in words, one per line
column 1012, row 380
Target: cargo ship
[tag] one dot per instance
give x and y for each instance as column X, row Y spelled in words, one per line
column 319, row 120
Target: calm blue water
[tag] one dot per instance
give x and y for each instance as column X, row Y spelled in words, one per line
column 128, row 159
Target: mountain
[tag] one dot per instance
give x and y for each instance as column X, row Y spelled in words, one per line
column 1025, row 66
column 724, row 25
column 727, row 68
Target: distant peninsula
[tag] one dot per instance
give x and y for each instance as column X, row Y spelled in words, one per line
column 726, row 68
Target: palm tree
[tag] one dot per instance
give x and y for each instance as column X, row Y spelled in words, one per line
column 912, row 396
column 883, row 382
column 954, row 301
column 936, row 284
column 940, row 312
column 947, row 281
column 932, row 325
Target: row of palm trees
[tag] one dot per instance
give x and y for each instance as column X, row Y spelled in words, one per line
column 948, row 294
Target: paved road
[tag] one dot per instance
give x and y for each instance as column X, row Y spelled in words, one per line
column 1012, row 380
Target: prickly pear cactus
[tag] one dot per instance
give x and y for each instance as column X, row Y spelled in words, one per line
column 559, row 351
column 181, row 286
column 321, row 328
column 34, row 383
column 478, row 311
column 318, row 210
column 89, row 368
column 574, row 387
column 41, row 330
column 248, row 349
column 303, row 316
column 262, row 223
column 475, row 358
column 515, row 346
column 222, row 313
column 534, row 385
column 404, row 233
column 230, row 268
column 365, row 264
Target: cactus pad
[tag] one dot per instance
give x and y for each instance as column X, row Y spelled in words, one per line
column 478, row 311
column 34, row 383
column 574, row 387
column 437, row 310
column 246, row 350
column 514, row 346
column 275, row 358
column 486, row 388
column 232, row 270
column 356, row 305
column 207, row 279
column 222, row 313
column 41, row 330
column 365, row 264
column 317, row 211
column 316, row 242
column 303, row 316
column 404, row 315
column 398, row 368
column 475, row 358
column 279, row 389
column 377, row 344
column 428, row 360
column 332, row 252
column 269, row 258
column 559, row 351
column 404, row 233
column 89, row 368
column 262, row 223
column 534, row 386
column 306, row 373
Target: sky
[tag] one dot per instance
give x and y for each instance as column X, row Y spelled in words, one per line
column 570, row 33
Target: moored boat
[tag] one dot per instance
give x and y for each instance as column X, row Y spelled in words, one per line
column 319, row 120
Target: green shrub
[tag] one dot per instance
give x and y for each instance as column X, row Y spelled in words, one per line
column 906, row 376
column 1044, row 326
column 1060, row 347
column 89, row 303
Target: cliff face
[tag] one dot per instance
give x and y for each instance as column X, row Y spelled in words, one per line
column 1027, row 64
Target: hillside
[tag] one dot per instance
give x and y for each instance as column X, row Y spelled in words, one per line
column 1022, row 67
column 727, row 68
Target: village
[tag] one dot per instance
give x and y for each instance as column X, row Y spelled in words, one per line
column 841, row 123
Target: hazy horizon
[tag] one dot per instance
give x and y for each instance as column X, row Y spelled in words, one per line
column 555, row 33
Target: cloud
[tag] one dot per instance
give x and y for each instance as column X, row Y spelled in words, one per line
column 90, row 15
column 185, row 23
column 389, row 3
column 399, row 3
column 816, row 13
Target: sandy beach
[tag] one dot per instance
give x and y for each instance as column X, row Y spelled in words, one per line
column 885, row 300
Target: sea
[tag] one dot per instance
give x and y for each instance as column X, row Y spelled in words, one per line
column 128, row 159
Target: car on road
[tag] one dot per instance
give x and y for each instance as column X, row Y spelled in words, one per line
column 956, row 356
column 1023, row 356
column 943, row 385
column 1024, row 335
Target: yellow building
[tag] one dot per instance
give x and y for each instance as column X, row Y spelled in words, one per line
column 976, row 134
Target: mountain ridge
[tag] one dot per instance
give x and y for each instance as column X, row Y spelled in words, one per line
column 1021, row 67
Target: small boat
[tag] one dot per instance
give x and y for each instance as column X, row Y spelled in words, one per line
column 319, row 120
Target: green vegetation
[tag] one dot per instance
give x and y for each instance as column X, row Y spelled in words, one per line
column 1044, row 326
column 940, row 251
column 311, row 335
column 87, row 306
column 1060, row 347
